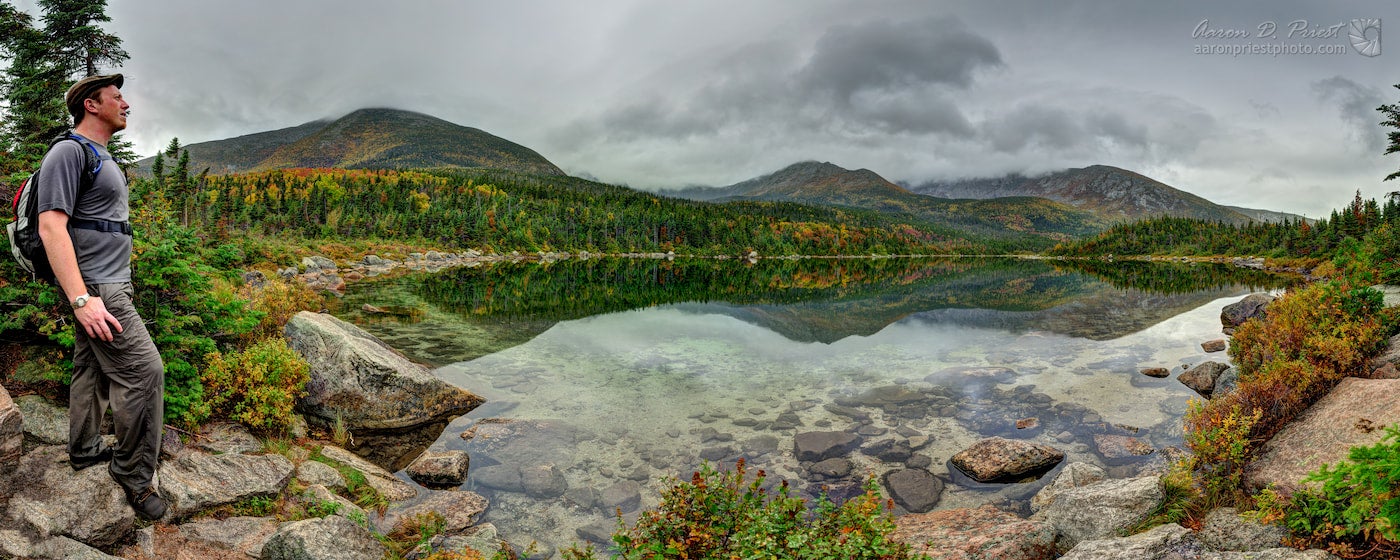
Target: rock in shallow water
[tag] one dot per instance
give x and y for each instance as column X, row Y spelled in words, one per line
column 916, row 490
column 998, row 458
column 1201, row 378
column 440, row 468
column 820, row 446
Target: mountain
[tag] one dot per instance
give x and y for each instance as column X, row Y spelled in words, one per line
column 826, row 184
column 1109, row 192
column 365, row 139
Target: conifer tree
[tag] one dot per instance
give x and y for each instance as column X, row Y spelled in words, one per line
column 1391, row 113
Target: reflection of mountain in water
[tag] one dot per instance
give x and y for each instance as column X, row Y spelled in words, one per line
column 465, row 313
column 1104, row 315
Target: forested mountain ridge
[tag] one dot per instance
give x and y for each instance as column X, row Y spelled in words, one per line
column 1111, row 193
column 365, row 139
column 826, row 184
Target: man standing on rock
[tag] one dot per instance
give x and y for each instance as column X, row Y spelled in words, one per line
column 86, row 234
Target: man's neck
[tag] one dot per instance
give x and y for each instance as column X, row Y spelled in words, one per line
column 94, row 131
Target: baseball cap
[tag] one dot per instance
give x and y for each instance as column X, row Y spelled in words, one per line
column 85, row 87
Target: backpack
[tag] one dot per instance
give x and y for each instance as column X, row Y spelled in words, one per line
column 25, row 244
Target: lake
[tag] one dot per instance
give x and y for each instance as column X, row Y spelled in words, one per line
column 604, row 377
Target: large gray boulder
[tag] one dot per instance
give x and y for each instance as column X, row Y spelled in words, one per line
column 326, row 538
column 983, row 533
column 44, row 421
column 200, row 481
column 236, row 534
column 53, row 499
column 1101, row 509
column 1252, row 306
column 1352, row 415
column 998, row 458
column 366, row 384
column 1226, row 529
column 1073, row 475
column 1162, row 542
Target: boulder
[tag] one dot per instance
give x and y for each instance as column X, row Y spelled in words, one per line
column 318, row 263
column 499, row 477
column 319, row 496
column 1073, row 475
column 440, row 468
column 543, row 481
column 86, row 505
column 366, row 384
column 1101, row 509
column 11, row 438
column 915, row 490
column 381, row 480
column 322, row 538
column 1228, row 381
column 1217, row 345
column 227, row 437
column 820, row 446
column 69, row 549
column 1119, row 448
column 45, row 422
column 200, row 481
column 1387, row 371
column 459, row 509
column 375, row 260
column 1252, row 306
column 1201, row 378
column 315, row 472
column 890, row 450
column 1390, row 356
column 1163, row 541
column 998, row 458
column 625, row 495
column 983, row 533
column 484, row 539
column 1352, row 415
column 1226, row 529
column 237, row 534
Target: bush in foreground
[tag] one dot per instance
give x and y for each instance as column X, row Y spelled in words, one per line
column 723, row 515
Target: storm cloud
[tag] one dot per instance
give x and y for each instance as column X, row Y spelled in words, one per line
column 668, row 94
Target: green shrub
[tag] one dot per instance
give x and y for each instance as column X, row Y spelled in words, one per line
column 722, row 515
column 256, row 387
column 1359, row 498
column 1309, row 341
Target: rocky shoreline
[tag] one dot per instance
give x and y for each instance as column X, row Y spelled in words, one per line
column 50, row 511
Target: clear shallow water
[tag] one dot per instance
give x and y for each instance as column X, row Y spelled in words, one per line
column 727, row 360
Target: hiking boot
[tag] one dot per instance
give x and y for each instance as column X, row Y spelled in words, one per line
column 147, row 503
column 80, row 463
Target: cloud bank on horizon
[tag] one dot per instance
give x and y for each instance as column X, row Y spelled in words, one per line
column 688, row 92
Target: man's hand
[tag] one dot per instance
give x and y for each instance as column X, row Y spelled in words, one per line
column 94, row 318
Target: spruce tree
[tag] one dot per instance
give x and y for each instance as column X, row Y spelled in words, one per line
column 1392, row 120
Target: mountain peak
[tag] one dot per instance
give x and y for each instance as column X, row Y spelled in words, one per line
column 369, row 138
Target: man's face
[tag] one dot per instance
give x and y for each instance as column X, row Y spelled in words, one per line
column 109, row 108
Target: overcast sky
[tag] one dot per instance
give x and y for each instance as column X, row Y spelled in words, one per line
column 671, row 93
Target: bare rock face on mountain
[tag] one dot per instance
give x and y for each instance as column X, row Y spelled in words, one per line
column 1354, row 414
column 364, row 383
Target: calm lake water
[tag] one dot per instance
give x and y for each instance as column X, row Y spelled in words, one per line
column 604, row 377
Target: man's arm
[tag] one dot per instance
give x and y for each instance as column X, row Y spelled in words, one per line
column 53, row 230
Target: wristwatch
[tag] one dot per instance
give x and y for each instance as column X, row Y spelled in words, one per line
column 80, row 301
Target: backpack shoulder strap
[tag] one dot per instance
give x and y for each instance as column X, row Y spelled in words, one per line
column 92, row 162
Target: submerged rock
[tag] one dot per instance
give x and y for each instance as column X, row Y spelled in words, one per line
column 360, row 381
column 998, row 458
column 915, row 490
column 983, row 533
column 820, row 446
column 1119, row 448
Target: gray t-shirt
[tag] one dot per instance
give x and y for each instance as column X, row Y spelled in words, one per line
column 103, row 257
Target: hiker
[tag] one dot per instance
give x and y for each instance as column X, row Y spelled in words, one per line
column 88, row 240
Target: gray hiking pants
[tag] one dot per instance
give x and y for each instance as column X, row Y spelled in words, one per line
column 127, row 374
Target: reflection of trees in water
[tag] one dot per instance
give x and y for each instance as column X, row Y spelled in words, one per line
column 1175, row 277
